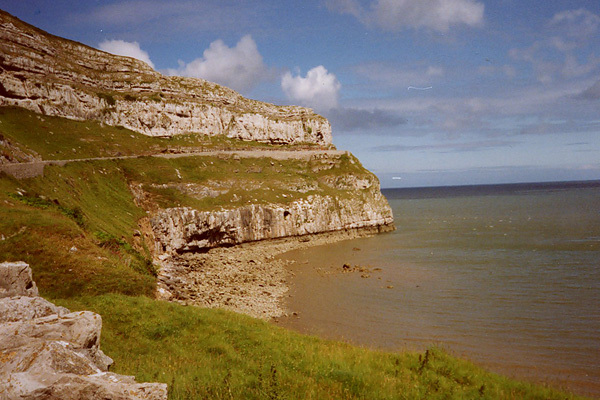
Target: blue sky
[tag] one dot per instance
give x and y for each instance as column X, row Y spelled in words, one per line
column 435, row 92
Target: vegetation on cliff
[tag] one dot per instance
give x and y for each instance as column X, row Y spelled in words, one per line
column 89, row 219
column 82, row 230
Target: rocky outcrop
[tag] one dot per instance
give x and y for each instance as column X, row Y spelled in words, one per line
column 16, row 280
column 183, row 229
column 55, row 76
column 48, row 352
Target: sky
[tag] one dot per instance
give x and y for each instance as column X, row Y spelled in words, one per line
column 423, row 92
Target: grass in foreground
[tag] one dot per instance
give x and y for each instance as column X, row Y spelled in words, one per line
column 204, row 353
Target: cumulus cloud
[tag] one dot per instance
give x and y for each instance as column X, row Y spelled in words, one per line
column 397, row 15
column 127, row 49
column 240, row 67
column 351, row 119
column 571, row 33
column 319, row 89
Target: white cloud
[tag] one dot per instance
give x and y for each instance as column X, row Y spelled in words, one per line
column 500, row 113
column 573, row 69
column 396, row 15
column 571, row 33
column 576, row 24
column 438, row 15
column 240, row 67
column 352, row 119
column 508, row 70
column 166, row 20
column 319, row 89
column 127, row 49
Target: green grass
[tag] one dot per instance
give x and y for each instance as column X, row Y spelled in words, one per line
column 55, row 138
column 247, row 180
column 76, row 225
column 89, row 205
column 215, row 354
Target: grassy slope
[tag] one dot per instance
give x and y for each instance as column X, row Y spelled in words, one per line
column 263, row 180
column 200, row 353
column 204, row 353
column 74, row 227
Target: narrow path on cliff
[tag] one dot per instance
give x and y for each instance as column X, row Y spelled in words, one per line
column 35, row 168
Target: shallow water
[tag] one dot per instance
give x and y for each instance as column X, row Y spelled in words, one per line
column 508, row 277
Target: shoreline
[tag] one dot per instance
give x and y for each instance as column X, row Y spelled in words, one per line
column 245, row 278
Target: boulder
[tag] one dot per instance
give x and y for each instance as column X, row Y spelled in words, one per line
column 16, row 280
column 22, row 308
column 48, row 352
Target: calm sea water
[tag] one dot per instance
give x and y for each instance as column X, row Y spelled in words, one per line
column 507, row 276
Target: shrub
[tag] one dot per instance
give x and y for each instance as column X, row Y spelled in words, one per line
column 109, row 98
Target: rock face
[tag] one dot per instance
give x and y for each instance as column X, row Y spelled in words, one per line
column 48, row 352
column 179, row 230
column 16, row 280
column 55, row 76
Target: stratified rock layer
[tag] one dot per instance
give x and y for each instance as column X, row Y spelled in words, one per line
column 55, row 76
column 48, row 352
column 184, row 229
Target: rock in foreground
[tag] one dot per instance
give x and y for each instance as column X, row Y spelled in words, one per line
column 48, row 352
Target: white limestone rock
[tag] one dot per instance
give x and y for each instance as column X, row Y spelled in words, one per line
column 59, row 77
column 48, row 352
column 16, row 280
column 22, row 308
column 183, row 229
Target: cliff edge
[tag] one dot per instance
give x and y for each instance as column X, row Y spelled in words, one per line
column 55, row 76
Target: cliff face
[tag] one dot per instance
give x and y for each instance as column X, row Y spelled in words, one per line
column 185, row 229
column 268, row 199
column 202, row 205
column 59, row 77
column 184, row 203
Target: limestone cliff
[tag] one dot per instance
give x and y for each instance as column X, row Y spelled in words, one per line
column 198, row 202
column 185, row 229
column 313, row 192
column 55, row 76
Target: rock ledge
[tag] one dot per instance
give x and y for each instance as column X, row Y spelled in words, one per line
column 48, row 352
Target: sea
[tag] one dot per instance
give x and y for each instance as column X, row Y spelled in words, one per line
column 507, row 276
